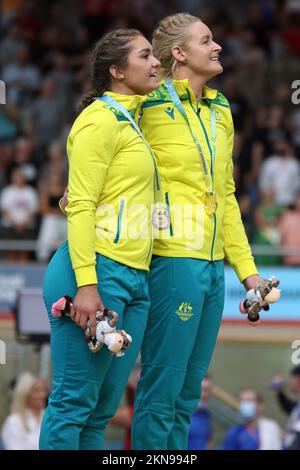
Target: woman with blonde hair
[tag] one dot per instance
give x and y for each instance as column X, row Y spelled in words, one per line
column 21, row 429
column 189, row 127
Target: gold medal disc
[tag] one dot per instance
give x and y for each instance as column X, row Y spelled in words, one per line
column 210, row 203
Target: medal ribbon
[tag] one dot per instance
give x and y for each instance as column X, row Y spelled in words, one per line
column 112, row 102
column 178, row 104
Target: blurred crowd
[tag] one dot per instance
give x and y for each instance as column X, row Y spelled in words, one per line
column 45, row 50
column 249, row 429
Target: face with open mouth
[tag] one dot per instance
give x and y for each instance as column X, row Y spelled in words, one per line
column 140, row 72
column 202, row 52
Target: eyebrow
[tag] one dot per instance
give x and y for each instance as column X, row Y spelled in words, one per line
column 147, row 49
column 207, row 36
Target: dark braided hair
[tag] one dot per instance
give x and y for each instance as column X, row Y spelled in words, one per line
column 112, row 49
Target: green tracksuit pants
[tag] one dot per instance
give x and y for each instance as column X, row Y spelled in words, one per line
column 187, row 299
column 87, row 387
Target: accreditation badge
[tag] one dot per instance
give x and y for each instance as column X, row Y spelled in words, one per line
column 210, row 203
column 161, row 217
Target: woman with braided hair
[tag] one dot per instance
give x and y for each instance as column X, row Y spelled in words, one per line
column 112, row 173
column 189, row 127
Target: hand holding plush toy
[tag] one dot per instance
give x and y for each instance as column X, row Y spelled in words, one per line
column 263, row 294
column 117, row 341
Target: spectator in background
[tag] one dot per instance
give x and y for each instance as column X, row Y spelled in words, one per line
column 21, row 428
column 255, row 432
column 260, row 19
column 275, row 128
column 267, row 215
column 22, row 79
column 6, row 152
column 249, row 164
column 61, row 75
column 291, row 407
column 270, row 434
column 53, row 230
column 57, row 161
column 24, row 160
column 19, row 206
column 11, row 45
column 252, row 68
column 246, row 208
column 8, row 124
column 282, row 97
column 259, row 48
column 289, row 230
column 245, row 436
column 200, row 435
column 79, row 47
column 281, row 173
column 146, row 13
column 238, row 104
column 28, row 22
column 296, row 131
column 258, row 128
column 9, row 10
column 290, row 33
column 47, row 124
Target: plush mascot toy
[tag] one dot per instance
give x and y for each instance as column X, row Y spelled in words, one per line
column 117, row 341
column 259, row 298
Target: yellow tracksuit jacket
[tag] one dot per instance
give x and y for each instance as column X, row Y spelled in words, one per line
column 196, row 234
column 111, row 182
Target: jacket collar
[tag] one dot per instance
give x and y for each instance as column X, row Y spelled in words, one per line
column 130, row 102
column 183, row 88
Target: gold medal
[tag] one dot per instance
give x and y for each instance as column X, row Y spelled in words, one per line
column 210, row 203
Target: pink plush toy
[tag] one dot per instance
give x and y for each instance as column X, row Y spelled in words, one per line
column 58, row 307
column 117, row 341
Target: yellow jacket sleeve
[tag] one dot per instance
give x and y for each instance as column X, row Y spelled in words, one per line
column 236, row 245
column 91, row 148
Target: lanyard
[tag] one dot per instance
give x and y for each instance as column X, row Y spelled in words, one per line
column 178, row 104
column 112, row 102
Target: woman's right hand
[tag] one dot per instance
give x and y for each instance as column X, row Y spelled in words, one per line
column 86, row 303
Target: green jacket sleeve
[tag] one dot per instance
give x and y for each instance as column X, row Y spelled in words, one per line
column 91, row 148
column 236, row 245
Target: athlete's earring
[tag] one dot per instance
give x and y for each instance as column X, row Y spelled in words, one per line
column 185, row 61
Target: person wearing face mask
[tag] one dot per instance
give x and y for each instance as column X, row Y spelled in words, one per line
column 245, row 436
column 113, row 184
column 255, row 432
